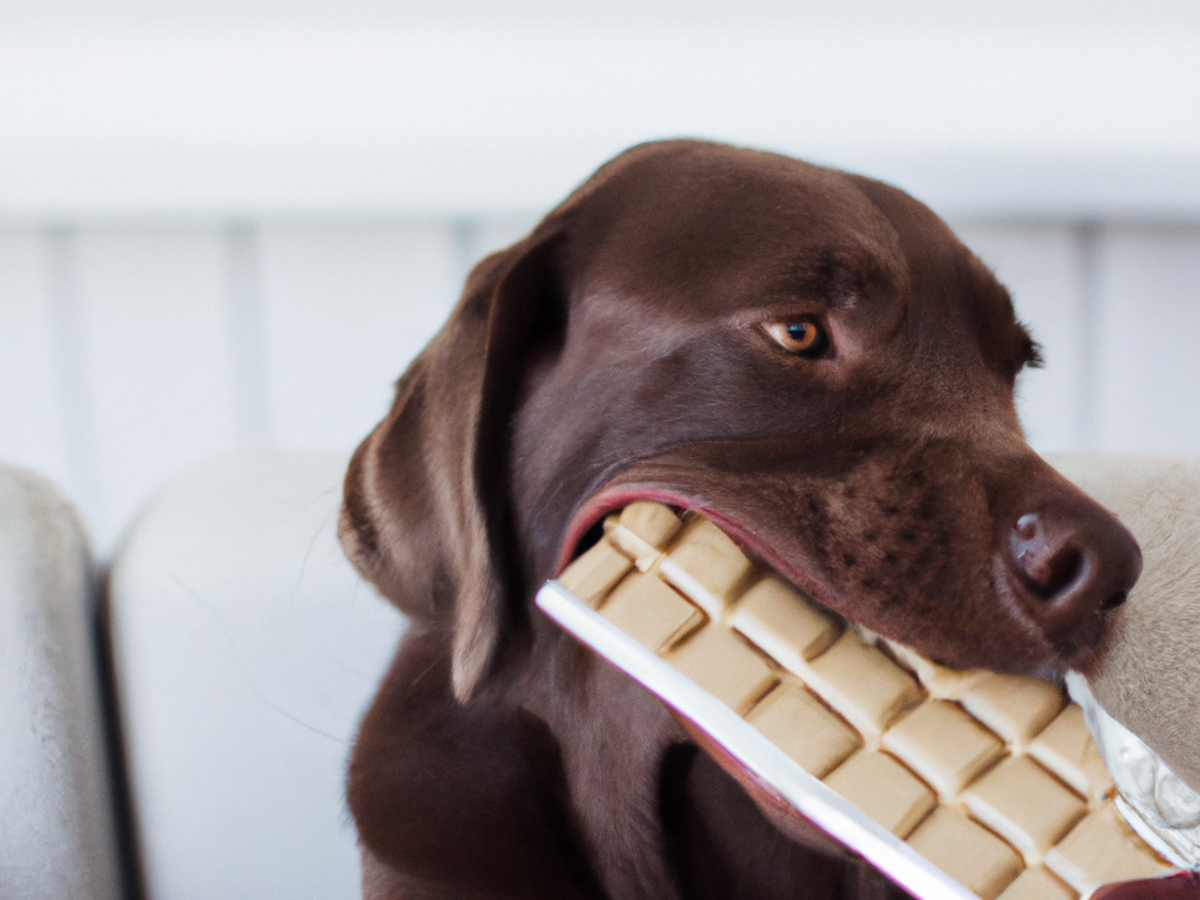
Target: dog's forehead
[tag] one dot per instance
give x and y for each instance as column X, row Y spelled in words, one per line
column 693, row 231
column 946, row 277
column 717, row 221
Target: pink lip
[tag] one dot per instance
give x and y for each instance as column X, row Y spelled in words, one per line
column 599, row 505
column 607, row 500
column 796, row 570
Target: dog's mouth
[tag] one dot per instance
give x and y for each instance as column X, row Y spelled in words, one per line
column 586, row 526
column 1042, row 651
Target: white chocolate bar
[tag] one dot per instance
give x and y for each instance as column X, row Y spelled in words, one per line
column 802, row 727
column 1102, row 848
column 885, row 790
column 741, row 677
column 1066, row 748
column 592, row 575
column 707, row 566
column 1037, row 884
column 944, row 745
column 791, row 633
column 650, row 611
column 993, row 778
column 998, row 801
column 976, row 857
column 642, row 531
column 1015, row 708
column 859, row 681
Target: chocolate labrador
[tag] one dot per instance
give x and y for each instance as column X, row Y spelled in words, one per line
column 810, row 358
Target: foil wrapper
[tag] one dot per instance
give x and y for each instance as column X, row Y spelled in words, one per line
column 1156, row 802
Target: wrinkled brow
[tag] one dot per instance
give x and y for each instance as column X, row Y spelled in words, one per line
column 839, row 275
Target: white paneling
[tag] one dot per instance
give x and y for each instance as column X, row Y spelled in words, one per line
column 1147, row 364
column 1041, row 267
column 126, row 354
column 155, row 325
column 461, row 118
column 249, row 356
column 33, row 423
column 1014, row 13
column 344, row 312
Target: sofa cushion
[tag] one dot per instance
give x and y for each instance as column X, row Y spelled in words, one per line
column 246, row 649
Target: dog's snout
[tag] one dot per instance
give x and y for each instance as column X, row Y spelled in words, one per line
column 1071, row 564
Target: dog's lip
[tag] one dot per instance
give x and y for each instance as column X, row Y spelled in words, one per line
column 605, row 501
column 608, row 500
column 1056, row 656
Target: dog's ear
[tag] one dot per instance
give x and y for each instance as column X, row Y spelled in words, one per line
column 427, row 512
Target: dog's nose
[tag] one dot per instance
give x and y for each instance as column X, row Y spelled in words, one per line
column 1070, row 566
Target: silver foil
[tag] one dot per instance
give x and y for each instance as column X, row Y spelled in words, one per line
column 1160, row 805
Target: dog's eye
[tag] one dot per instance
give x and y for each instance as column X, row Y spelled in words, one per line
column 804, row 337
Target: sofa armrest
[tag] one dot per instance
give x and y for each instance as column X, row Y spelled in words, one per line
column 57, row 822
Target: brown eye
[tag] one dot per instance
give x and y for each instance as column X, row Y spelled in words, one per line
column 804, row 337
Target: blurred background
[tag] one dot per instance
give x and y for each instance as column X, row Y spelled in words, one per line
column 230, row 223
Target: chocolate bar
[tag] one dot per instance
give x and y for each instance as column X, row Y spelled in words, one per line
column 993, row 779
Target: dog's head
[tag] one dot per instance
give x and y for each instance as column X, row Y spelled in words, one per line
column 810, row 358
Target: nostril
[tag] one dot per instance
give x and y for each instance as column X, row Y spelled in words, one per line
column 1045, row 564
column 1114, row 600
column 1050, row 577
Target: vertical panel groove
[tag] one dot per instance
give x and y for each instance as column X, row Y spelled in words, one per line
column 71, row 364
column 1088, row 242
column 244, row 286
column 465, row 233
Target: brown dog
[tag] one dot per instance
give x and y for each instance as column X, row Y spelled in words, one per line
column 809, row 357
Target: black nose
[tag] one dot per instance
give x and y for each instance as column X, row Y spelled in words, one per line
column 1071, row 563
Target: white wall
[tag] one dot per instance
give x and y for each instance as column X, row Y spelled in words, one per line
column 230, row 225
column 128, row 353
column 223, row 120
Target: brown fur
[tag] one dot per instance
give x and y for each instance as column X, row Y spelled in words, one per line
column 619, row 351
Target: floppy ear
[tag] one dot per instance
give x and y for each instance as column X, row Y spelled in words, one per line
column 427, row 513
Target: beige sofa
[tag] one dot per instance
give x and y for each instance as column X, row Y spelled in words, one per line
column 243, row 651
